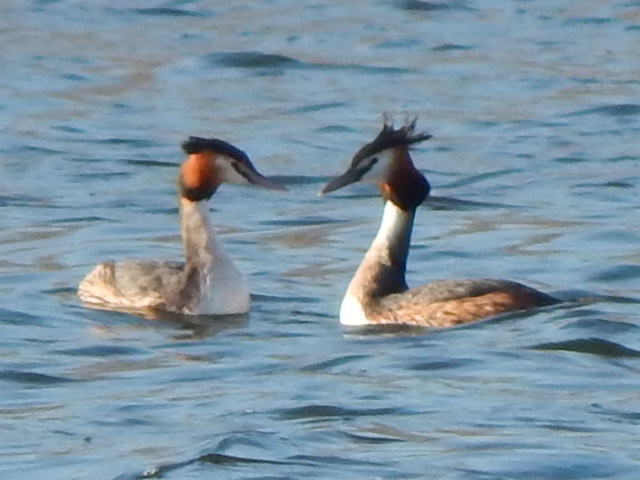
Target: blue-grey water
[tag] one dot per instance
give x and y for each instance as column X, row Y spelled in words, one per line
column 534, row 107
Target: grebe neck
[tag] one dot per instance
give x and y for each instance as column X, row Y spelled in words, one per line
column 199, row 237
column 382, row 271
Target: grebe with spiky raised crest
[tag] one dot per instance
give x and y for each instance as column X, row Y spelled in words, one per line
column 378, row 292
column 207, row 282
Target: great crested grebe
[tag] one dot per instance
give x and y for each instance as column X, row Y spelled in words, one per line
column 378, row 292
column 207, row 282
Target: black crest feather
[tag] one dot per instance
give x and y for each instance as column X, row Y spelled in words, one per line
column 199, row 144
column 390, row 137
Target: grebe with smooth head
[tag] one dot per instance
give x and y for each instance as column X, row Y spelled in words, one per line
column 207, row 282
column 378, row 292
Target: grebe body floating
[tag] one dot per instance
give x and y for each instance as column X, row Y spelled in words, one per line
column 378, row 292
column 207, row 282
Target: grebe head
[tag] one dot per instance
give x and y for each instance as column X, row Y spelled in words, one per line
column 210, row 163
column 386, row 162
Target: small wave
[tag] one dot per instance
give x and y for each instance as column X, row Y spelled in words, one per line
column 334, row 362
column 222, row 459
column 217, row 459
column 618, row 415
column 401, row 43
column 589, row 21
column 473, row 179
column 100, row 351
column 262, row 298
column 600, row 325
column 443, row 364
column 621, row 158
column 19, row 201
column 149, row 163
column 448, row 47
column 13, row 317
column 371, row 440
column 165, row 12
column 33, row 378
column 332, row 460
column 33, row 149
column 72, row 220
column 319, row 107
column 570, row 160
column 456, row 204
column 103, row 176
column 334, row 129
column 613, row 110
column 595, row 346
column 129, row 142
column 67, row 129
column 271, row 61
column 308, row 412
column 425, row 6
column 307, row 221
column 618, row 273
column 252, row 60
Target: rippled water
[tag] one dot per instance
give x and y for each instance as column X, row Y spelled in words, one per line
column 535, row 112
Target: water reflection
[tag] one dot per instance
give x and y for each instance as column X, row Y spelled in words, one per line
column 189, row 327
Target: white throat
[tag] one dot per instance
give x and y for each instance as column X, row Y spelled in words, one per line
column 222, row 287
column 383, row 268
column 392, row 226
column 198, row 234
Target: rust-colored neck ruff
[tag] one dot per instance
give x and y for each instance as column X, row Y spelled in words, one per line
column 404, row 185
column 198, row 177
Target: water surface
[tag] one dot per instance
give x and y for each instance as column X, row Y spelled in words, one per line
column 535, row 114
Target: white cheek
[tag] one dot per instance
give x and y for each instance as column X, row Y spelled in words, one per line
column 379, row 170
column 228, row 173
